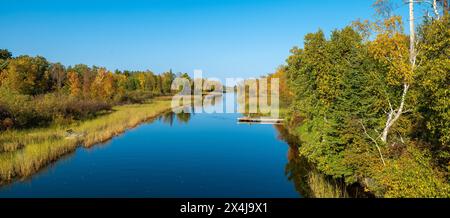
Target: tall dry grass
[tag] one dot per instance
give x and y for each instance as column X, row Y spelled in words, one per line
column 23, row 152
column 321, row 187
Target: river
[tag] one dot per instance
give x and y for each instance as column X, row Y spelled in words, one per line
column 175, row 155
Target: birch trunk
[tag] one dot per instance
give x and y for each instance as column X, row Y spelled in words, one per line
column 394, row 115
column 445, row 6
column 435, row 9
column 412, row 34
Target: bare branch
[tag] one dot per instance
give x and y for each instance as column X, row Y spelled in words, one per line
column 374, row 141
column 407, row 111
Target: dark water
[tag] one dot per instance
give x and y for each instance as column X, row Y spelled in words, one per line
column 185, row 155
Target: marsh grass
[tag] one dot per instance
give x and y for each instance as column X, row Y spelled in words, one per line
column 321, row 187
column 24, row 152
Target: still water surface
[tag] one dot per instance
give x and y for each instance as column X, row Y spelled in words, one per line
column 184, row 155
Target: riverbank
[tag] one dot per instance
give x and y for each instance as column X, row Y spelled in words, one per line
column 27, row 151
column 410, row 175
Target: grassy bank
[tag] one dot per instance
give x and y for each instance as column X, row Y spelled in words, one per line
column 23, row 152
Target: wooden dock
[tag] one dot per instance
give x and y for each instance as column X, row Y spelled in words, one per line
column 260, row 120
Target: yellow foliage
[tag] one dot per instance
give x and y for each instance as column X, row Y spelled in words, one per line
column 74, row 83
column 411, row 175
column 103, row 85
column 393, row 52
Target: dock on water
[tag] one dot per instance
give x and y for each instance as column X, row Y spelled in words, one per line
column 260, row 120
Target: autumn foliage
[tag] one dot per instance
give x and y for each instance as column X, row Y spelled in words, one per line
column 345, row 86
column 35, row 92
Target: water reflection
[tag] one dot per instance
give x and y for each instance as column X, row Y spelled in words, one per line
column 296, row 168
column 189, row 110
column 308, row 181
column 180, row 155
column 170, row 117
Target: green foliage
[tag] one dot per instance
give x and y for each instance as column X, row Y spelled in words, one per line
column 5, row 54
column 342, row 87
column 166, row 80
column 28, row 75
column 411, row 175
column 433, row 91
column 333, row 94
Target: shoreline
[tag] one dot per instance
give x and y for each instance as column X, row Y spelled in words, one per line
column 322, row 185
column 44, row 146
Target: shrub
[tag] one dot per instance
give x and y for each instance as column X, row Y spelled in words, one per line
column 136, row 97
column 410, row 175
column 81, row 109
column 23, row 111
column 5, row 118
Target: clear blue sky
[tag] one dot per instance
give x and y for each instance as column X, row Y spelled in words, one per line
column 224, row 38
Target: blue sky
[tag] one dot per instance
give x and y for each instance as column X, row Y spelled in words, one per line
column 224, row 38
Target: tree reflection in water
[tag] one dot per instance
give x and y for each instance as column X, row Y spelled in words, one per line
column 308, row 181
column 169, row 117
column 184, row 117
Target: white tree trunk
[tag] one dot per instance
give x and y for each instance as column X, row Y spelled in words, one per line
column 435, row 9
column 393, row 115
column 412, row 34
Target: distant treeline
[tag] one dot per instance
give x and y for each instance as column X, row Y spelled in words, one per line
column 35, row 92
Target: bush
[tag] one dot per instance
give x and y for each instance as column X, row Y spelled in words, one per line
column 136, row 97
column 18, row 108
column 5, row 118
column 23, row 111
column 411, row 175
column 81, row 109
